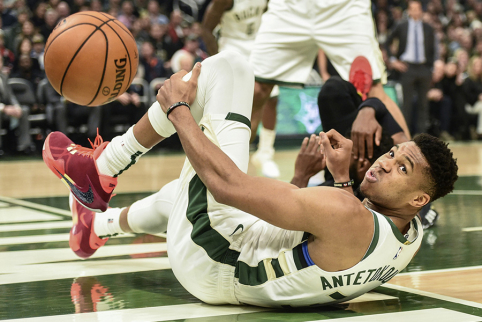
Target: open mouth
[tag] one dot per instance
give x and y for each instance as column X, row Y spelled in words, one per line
column 370, row 176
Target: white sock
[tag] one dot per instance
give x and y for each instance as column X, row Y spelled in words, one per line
column 266, row 142
column 122, row 152
column 107, row 223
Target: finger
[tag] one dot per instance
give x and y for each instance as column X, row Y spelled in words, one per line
column 369, row 146
column 304, row 144
column 325, row 141
column 312, row 146
column 361, row 147
column 378, row 135
column 335, row 137
column 179, row 74
column 195, row 74
column 354, row 137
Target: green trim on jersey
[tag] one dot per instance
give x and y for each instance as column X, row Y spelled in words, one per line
column 238, row 118
column 397, row 232
column 276, row 82
column 215, row 245
column 249, row 275
column 376, row 235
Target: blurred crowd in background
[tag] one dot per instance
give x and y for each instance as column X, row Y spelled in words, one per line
column 168, row 38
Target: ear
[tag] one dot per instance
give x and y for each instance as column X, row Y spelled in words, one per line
column 420, row 200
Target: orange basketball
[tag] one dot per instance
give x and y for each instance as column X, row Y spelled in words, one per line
column 90, row 58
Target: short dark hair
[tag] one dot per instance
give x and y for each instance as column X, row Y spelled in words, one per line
column 442, row 167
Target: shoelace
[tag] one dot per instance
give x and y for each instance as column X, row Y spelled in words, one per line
column 359, row 80
column 89, row 152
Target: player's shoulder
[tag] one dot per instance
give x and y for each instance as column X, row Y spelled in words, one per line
column 339, row 200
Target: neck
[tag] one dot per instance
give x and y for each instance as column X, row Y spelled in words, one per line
column 400, row 217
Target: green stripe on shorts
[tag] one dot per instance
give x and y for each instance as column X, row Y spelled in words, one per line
column 215, row 245
column 238, row 118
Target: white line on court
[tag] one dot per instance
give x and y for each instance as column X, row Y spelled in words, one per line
column 435, row 296
column 469, row 229
column 467, row 192
column 55, row 271
column 36, row 226
column 151, row 314
column 11, row 260
column 36, row 206
column 18, row 240
column 438, row 314
column 445, row 270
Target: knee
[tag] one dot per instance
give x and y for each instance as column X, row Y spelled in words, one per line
column 261, row 93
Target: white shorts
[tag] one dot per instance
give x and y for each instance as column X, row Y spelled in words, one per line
column 292, row 31
column 244, row 47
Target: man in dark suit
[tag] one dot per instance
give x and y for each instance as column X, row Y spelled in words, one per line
column 414, row 60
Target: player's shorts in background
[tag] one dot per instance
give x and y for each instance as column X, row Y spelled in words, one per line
column 292, row 31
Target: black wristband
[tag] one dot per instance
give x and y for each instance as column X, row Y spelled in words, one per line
column 173, row 106
column 377, row 105
column 344, row 184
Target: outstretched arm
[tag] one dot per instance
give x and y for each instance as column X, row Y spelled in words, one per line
column 322, row 211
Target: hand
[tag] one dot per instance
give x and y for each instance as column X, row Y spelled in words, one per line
column 435, row 94
column 400, row 66
column 365, row 128
column 176, row 90
column 310, row 159
column 337, row 150
column 136, row 100
column 124, row 99
column 13, row 110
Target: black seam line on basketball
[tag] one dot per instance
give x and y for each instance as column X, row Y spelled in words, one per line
column 105, row 61
column 122, row 26
column 79, row 24
column 75, row 55
column 128, row 56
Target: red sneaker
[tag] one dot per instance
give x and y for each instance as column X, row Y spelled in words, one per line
column 76, row 167
column 83, row 241
column 361, row 76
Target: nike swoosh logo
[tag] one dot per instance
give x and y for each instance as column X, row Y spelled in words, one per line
column 239, row 226
column 87, row 197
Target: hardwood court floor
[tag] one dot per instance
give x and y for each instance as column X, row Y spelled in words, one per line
column 130, row 279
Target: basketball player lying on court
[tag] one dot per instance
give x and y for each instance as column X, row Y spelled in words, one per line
column 237, row 239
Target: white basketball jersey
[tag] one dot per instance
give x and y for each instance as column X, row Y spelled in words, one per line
column 240, row 24
column 266, row 276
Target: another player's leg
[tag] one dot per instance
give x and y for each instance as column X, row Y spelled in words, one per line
column 263, row 157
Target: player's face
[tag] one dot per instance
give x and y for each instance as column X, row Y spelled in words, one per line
column 397, row 177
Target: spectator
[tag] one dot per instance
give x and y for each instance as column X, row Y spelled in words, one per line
column 38, row 18
column 126, row 15
column 37, row 53
column 440, row 104
column 28, row 31
column 173, row 40
column 13, row 117
column 7, row 55
column 28, row 69
column 472, row 87
column 414, row 60
column 63, row 10
column 151, row 63
column 96, row 5
column 139, row 34
column 8, row 19
column 157, row 35
column 154, row 13
column 185, row 58
column 51, row 19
